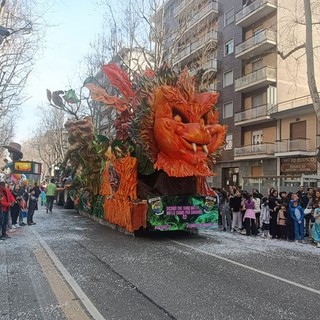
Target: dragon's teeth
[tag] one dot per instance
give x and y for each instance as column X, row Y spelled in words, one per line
column 205, row 148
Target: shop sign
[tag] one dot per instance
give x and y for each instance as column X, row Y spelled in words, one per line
column 26, row 167
column 182, row 212
column 298, row 165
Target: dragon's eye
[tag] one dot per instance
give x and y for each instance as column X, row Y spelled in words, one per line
column 179, row 116
column 205, row 119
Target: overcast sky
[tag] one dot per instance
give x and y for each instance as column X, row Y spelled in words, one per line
column 75, row 24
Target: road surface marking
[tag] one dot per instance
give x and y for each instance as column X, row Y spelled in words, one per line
column 249, row 268
column 93, row 311
column 70, row 306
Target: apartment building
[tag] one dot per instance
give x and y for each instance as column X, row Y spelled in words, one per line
column 234, row 46
column 272, row 138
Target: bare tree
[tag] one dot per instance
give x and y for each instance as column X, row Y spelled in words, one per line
column 18, row 43
column 50, row 138
column 305, row 17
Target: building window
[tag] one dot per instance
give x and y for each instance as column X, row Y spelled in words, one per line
column 228, row 110
column 257, row 100
column 228, row 78
column 257, row 137
column 298, row 130
column 229, row 142
column 257, row 65
column 256, row 171
column 257, row 141
column 228, row 47
column 229, row 17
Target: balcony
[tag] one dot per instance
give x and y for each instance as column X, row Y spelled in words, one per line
column 254, row 12
column 254, row 115
column 191, row 49
column 255, row 151
column 209, row 11
column 257, row 79
column 293, row 147
column 258, row 44
column 210, row 65
column 181, row 6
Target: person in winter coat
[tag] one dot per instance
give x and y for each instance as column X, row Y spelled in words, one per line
column 257, row 208
column 281, row 221
column 15, row 209
column 235, row 205
column 315, row 231
column 225, row 210
column 297, row 214
column 6, row 202
column 249, row 217
column 265, row 217
column 273, row 202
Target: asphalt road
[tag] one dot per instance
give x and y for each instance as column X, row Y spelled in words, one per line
column 70, row 267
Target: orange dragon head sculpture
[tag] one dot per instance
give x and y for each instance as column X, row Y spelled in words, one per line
column 175, row 126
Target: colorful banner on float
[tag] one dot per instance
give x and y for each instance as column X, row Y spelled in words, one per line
column 169, row 213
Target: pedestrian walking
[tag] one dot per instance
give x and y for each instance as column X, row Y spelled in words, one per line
column 50, row 195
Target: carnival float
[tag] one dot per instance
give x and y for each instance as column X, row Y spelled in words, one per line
column 152, row 176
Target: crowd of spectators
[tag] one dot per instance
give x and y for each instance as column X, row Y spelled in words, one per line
column 18, row 204
column 286, row 216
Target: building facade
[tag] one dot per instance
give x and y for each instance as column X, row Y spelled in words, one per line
column 239, row 48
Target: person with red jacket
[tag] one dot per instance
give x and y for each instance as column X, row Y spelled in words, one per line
column 6, row 202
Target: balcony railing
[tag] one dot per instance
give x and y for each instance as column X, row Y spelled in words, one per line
column 253, row 113
column 197, row 45
column 212, row 7
column 266, row 36
column 209, row 65
column 293, row 145
column 255, row 6
column 258, row 78
column 255, row 150
column 180, row 7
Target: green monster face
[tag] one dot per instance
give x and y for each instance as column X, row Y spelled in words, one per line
column 157, row 206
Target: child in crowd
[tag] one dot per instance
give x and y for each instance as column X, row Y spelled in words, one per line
column 281, row 221
column 43, row 196
column 315, row 231
column 23, row 210
column 249, row 217
column 265, row 217
column 297, row 215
